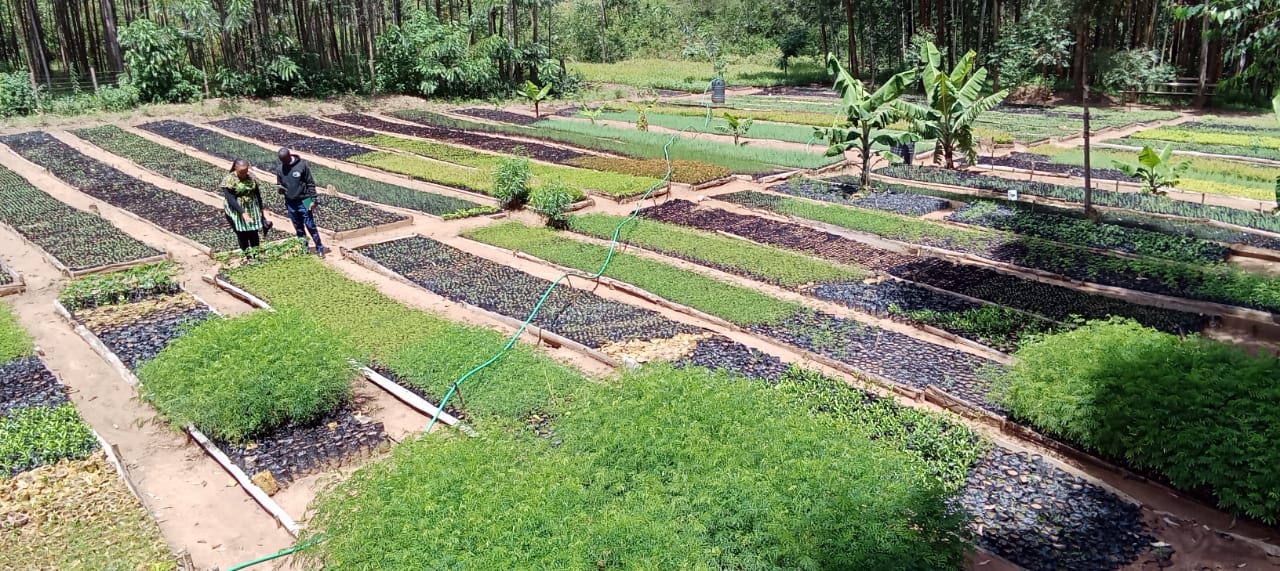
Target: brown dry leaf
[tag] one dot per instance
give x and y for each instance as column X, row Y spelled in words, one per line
column 655, row 350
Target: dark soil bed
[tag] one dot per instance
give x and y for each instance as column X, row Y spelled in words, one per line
column 137, row 332
column 26, row 382
column 1044, row 519
column 301, row 143
column 1041, row 163
column 720, row 354
column 497, row 115
column 295, row 451
column 576, row 314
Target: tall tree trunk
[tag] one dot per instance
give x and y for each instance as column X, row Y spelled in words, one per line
column 853, row 42
column 1201, row 99
column 35, row 39
column 822, row 31
column 1080, row 53
column 604, row 27
column 534, row 15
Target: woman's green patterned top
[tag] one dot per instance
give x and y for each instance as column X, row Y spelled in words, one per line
column 242, row 196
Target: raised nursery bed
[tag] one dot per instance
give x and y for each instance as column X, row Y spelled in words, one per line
column 1189, row 277
column 1148, row 203
column 1054, row 302
column 536, row 151
column 76, row 242
column 196, row 222
column 312, row 145
column 497, row 115
column 341, row 216
column 135, row 332
column 227, row 148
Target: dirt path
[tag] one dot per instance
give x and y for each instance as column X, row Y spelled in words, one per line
column 198, row 506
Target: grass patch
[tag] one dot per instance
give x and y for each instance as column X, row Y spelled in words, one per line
column 687, row 172
column 14, row 340
column 760, row 129
column 685, row 75
column 664, row 470
column 87, row 519
column 1204, row 414
column 237, row 379
column 579, row 180
column 427, row 351
column 696, row 149
column 820, row 116
column 435, row 172
column 1199, row 137
column 735, row 304
column 736, row 256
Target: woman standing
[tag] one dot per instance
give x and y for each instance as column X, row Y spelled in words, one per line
column 243, row 204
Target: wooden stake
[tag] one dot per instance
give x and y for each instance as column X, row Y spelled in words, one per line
column 93, row 76
column 35, row 90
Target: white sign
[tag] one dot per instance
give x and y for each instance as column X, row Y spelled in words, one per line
column 1013, row 194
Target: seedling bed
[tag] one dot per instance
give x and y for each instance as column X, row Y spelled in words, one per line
column 1127, row 200
column 721, row 354
column 578, row 315
column 1042, row 259
column 1057, row 303
column 535, row 151
column 134, row 333
column 227, row 148
column 193, row 221
column 276, row 136
column 25, row 382
column 1042, row 164
column 499, row 116
column 339, row 215
column 1042, row 518
column 293, row 451
column 901, row 359
column 76, row 242
column 853, row 346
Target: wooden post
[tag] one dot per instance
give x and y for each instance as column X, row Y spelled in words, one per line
column 93, row 76
column 35, row 91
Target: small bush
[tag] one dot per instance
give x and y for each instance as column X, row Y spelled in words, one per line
column 511, row 182
column 16, row 96
column 552, row 202
column 667, row 470
column 1204, row 414
column 236, row 379
column 14, row 341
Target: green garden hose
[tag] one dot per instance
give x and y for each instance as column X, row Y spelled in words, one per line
column 277, row 555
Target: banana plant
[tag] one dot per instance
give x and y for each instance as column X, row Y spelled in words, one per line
column 737, row 126
column 1156, row 171
column 954, row 102
column 537, row 95
column 590, row 113
column 866, row 117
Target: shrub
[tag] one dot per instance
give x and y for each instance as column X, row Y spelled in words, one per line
column 16, row 96
column 14, row 341
column 1204, row 414
column 667, row 470
column 552, row 201
column 236, row 379
column 511, row 182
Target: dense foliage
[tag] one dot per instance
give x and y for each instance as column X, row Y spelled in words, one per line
column 1201, row 413
column 836, row 498
column 236, row 379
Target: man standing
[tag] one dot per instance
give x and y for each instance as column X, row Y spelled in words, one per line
column 294, row 181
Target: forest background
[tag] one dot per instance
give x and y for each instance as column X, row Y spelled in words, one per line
column 70, row 56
